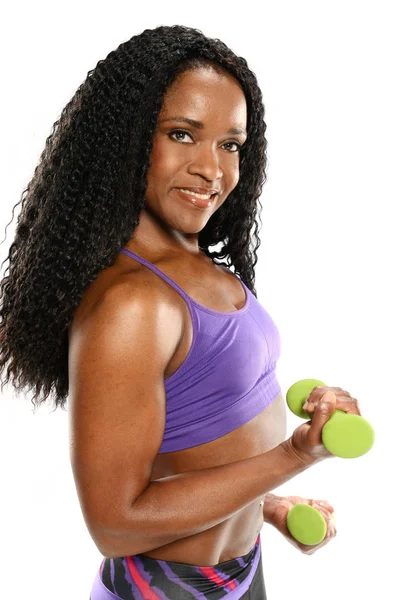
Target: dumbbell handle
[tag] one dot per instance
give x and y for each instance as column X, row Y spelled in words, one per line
column 344, row 435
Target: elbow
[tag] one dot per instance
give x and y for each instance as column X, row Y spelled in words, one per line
column 101, row 541
column 117, row 542
column 123, row 534
column 105, row 539
column 108, row 546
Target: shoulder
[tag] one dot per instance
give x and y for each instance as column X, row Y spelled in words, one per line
column 125, row 295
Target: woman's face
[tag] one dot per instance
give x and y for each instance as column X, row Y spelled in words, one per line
column 205, row 156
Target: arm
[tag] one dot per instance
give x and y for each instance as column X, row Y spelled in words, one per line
column 182, row 505
column 117, row 422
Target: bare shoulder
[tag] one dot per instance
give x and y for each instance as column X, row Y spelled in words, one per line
column 123, row 290
column 130, row 315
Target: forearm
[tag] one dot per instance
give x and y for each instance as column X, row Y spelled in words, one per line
column 183, row 505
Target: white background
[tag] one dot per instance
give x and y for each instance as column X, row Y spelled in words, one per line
column 327, row 269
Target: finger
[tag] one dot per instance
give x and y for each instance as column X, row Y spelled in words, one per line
column 322, row 414
column 346, row 404
column 330, row 524
column 350, row 405
column 344, row 400
column 333, row 523
column 330, row 532
column 327, row 514
column 324, row 504
column 316, row 395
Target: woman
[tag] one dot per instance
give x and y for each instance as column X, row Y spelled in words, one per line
column 115, row 300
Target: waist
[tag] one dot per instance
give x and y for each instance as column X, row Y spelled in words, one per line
column 146, row 576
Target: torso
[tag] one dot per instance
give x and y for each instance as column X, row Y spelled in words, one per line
column 217, row 288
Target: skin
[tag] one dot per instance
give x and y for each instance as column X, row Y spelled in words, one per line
column 206, row 157
column 200, row 158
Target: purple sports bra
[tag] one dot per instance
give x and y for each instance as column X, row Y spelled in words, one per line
column 228, row 376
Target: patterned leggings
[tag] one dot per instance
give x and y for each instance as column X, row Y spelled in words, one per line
column 140, row 577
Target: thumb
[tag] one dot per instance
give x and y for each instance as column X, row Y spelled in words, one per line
column 324, row 411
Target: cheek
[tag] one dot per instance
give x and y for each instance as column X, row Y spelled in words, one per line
column 163, row 161
column 234, row 178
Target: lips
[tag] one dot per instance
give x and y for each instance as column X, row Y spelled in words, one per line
column 199, row 202
column 198, row 190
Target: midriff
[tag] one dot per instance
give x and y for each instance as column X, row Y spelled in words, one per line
column 235, row 536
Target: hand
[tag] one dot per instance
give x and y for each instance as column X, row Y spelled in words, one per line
column 306, row 441
column 278, row 515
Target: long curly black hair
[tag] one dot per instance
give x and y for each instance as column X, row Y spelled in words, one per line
column 85, row 197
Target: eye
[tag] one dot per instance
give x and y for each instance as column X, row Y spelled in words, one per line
column 181, row 131
column 178, row 131
column 236, row 144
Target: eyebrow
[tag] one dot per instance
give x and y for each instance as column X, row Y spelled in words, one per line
column 199, row 125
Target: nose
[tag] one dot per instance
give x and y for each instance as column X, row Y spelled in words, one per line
column 206, row 163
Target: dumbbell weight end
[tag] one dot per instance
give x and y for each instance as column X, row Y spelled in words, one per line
column 306, row 524
column 344, row 435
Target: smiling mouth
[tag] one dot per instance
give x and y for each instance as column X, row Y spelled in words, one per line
column 194, row 200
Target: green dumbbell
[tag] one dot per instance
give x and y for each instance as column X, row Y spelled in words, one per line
column 306, row 524
column 344, row 435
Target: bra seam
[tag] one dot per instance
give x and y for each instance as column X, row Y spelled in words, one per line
column 263, row 333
